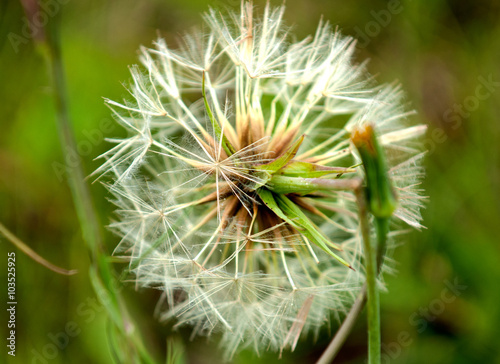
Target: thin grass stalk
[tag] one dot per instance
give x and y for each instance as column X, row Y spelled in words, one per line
column 345, row 329
column 49, row 46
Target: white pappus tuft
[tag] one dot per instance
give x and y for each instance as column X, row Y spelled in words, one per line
column 214, row 185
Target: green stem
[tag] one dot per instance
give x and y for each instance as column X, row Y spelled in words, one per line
column 49, row 46
column 382, row 227
column 76, row 177
column 373, row 302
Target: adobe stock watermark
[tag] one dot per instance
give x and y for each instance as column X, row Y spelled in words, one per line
column 420, row 319
column 39, row 19
column 381, row 19
column 83, row 148
column 455, row 115
column 86, row 312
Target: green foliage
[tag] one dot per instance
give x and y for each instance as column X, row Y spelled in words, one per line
column 437, row 49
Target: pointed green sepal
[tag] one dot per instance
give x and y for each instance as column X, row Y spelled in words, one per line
column 303, row 186
column 268, row 198
column 278, row 163
column 285, row 184
column 311, row 170
column 292, row 214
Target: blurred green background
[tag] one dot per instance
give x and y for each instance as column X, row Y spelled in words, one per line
column 441, row 51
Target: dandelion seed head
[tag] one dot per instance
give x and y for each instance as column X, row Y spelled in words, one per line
column 215, row 204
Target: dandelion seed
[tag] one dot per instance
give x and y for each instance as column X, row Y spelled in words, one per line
column 245, row 220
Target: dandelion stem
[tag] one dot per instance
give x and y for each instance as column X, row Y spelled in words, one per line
column 371, row 282
column 382, row 227
column 369, row 292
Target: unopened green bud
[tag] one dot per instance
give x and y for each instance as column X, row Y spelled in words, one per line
column 382, row 199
